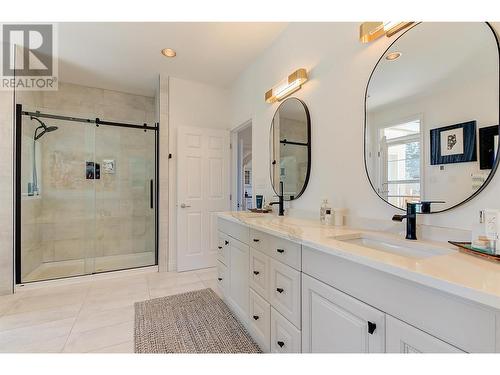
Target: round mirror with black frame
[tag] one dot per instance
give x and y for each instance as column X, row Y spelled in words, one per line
column 432, row 115
column 290, row 149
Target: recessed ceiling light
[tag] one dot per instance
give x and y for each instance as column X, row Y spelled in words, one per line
column 393, row 56
column 168, row 52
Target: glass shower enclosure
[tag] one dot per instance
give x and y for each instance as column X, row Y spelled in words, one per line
column 85, row 196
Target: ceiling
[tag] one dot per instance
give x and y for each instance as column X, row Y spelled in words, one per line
column 459, row 53
column 126, row 56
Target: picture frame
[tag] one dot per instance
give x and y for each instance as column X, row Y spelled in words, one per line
column 488, row 146
column 454, row 143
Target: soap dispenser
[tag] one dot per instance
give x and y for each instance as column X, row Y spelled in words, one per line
column 322, row 211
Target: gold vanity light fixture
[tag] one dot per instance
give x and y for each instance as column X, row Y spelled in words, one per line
column 369, row 31
column 288, row 86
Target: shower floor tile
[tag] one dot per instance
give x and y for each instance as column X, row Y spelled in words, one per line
column 78, row 267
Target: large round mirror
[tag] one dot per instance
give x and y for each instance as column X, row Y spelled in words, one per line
column 290, row 148
column 432, row 115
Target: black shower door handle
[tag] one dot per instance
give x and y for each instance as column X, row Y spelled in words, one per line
column 151, row 193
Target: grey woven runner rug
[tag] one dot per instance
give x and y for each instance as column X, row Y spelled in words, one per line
column 193, row 322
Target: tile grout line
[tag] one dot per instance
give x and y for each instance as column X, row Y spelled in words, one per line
column 76, row 317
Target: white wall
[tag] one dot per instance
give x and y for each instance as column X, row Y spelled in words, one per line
column 339, row 68
column 190, row 104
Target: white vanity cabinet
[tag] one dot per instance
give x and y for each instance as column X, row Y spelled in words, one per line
column 334, row 322
column 297, row 298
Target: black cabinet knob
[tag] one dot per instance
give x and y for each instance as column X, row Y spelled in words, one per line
column 281, row 251
column 256, row 240
column 371, row 328
column 219, row 247
column 281, row 344
column 280, row 290
column 256, row 272
column 219, row 278
column 226, row 242
column 256, row 317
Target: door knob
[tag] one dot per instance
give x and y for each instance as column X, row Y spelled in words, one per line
column 184, row 205
column 280, row 290
column 256, row 273
column 281, row 344
column 256, row 317
column 219, row 278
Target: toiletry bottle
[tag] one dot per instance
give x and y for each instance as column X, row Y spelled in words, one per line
column 322, row 210
column 491, row 218
column 328, row 217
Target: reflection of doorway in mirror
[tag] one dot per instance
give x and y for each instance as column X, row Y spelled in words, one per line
column 400, row 162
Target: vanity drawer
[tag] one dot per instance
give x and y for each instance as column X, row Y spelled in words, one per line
column 259, row 272
column 283, row 250
column 223, row 248
column 285, row 337
column 260, row 320
column 235, row 230
column 284, row 293
column 223, row 278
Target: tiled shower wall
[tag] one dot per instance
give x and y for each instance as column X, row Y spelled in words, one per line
column 76, row 218
column 6, row 187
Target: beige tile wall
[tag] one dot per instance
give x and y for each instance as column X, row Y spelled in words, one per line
column 6, row 192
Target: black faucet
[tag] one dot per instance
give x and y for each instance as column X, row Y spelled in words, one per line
column 412, row 209
column 280, row 201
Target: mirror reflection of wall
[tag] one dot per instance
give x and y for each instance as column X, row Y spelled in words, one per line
column 290, row 148
column 430, row 95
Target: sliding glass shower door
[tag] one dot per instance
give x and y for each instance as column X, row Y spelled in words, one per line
column 125, row 192
column 85, row 197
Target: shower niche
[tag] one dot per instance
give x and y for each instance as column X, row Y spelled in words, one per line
column 71, row 218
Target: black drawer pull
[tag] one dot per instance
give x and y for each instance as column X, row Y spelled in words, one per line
column 256, row 240
column 371, row 328
column 226, row 242
column 280, row 290
column 256, row 317
column 281, row 344
column 281, row 251
column 256, row 272
column 219, row 278
column 219, row 247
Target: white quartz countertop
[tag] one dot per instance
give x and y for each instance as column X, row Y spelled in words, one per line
column 455, row 273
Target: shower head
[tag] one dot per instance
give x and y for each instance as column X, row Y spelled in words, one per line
column 45, row 128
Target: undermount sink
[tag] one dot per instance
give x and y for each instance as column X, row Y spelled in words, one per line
column 406, row 248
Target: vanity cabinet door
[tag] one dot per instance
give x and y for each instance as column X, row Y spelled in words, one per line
column 333, row 322
column 223, row 278
column 404, row 338
column 260, row 320
column 238, row 274
column 284, row 293
column 259, row 273
column 285, row 337
column 223, row 250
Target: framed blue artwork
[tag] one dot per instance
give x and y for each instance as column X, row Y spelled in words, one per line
column 454, row 144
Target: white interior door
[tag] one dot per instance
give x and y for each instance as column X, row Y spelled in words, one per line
column 202, row 191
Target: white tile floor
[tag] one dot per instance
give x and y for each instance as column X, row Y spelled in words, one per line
column 91, row 316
